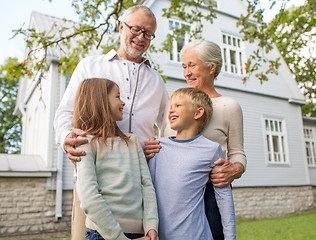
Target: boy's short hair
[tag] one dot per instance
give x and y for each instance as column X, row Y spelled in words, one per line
column 199, row 99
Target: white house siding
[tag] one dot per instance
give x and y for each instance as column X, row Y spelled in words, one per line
column 37, row 104
column 68, row 173
column 240, row 6
column 67, row 167
column 312, row 174
column 57, row 81
column 259, row 171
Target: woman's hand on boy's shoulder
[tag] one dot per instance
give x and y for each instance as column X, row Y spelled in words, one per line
column 71, row 142
column 226, row 173
column 151, row 147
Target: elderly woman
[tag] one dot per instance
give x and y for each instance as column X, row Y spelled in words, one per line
column 202, row 62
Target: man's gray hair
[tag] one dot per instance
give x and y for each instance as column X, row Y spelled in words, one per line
column 207, row 51
column 127, row 14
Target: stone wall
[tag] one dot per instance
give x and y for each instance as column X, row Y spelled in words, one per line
column 267, row 202
column 314, row 193
column 27, row 207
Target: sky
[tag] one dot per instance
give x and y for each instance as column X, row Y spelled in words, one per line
column 15, row 13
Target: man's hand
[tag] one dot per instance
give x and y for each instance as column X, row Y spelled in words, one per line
column 151, row 148
column 152, row 234
column 71, row 142
column 226, row 173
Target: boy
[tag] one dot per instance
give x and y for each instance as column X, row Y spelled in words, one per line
column 181, row 170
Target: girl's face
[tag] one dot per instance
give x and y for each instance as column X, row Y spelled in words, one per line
column 196, row 72
column 116, row 104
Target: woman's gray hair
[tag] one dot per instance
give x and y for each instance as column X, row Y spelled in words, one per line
column 207, row 51
column 127, row 14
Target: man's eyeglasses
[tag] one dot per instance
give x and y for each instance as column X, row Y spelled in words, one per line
column 136, row 31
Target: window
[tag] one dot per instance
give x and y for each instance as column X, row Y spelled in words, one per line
column 309, row 136
column 233, row 57
column 275, row 141
column 177, row 45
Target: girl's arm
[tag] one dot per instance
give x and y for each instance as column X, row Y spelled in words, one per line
column 150, row 219
column 92, row 203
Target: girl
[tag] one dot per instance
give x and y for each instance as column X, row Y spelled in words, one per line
column 114, row 184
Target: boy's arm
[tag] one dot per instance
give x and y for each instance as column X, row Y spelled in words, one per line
column 150, row 220
column 225, row 203
column 92, row 202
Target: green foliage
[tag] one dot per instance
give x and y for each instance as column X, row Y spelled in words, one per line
column 309, row 109
column 255, row 30
column 10, row 125
column 179, row 10
column 100, row 18
column 97, row 18
column 294, row 34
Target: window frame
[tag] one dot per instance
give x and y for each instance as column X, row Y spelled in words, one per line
column 280, row 157
column 312, row 141
column 175, row 51
column 237, row 46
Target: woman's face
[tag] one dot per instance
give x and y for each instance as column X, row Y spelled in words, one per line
column 196, row 72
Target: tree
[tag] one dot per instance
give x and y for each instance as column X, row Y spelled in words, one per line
column 100, row 17
column 96, row 14
column 295, row 31
column 10, row 125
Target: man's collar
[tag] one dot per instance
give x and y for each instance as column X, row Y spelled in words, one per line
column 114, row 55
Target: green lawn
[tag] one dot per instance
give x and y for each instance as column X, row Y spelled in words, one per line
column 294, row 227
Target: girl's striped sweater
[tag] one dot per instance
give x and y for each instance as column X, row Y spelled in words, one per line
column 115, row 188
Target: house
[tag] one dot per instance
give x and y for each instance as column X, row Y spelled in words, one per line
column 279, row 142
column 278, row 174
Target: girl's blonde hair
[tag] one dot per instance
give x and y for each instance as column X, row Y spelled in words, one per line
column 92, row 110
column 198, row 99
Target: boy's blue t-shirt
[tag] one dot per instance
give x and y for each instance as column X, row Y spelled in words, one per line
column 180, row 172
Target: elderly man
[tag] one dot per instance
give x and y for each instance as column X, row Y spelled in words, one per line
column 142, row 89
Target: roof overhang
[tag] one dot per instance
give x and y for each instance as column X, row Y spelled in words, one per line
column 16, row 165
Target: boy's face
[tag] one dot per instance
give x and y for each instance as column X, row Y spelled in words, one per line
column 182, row 113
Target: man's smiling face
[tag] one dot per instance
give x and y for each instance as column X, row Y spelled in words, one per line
column 135, row 46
